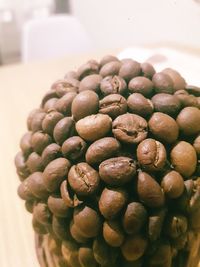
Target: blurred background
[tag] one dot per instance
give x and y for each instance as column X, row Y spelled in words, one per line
column 39, row 29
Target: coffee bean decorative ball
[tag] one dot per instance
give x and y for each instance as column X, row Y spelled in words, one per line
column 110, row 167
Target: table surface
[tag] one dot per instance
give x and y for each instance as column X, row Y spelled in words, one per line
column 21, row 89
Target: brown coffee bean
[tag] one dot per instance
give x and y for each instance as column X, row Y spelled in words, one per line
column 113, row 234
column 74, row 147
column 68, row 248
column 36, row 121
column 194, row 220
column 186, row 100
column 117, row 171
column 86, row 257
column 38, row 227
column 180, row 242
column 50, row 153
column 140, row 105
column 90, row 82
column 76, row 233
column 87, row 220
column 196, row 145
column 113, row 85
column 22, row 168
column 134, row 247
column 113, row 105
column 163, row 83
column 65, row 86
column 129, row 69
column 112, row 201
column 130, row 128
column 186, row 163
column 151, row 155
column 60, row 228
column 36, row 185
column 189, row 121
column 63, row 129
column 25, row 144
column 71, row 74
column 102, row 149
column 50, row 121
column 29, row 205
column 149, row 191
column 55, row 172
column 156, row 219
column 164, row 127
column 50, row 104
column 83, row 179
column 63, row 105
column 49, row 95
column 91, row 67
column 162, row 256
column 194, row 90
column 108, row 58
column 173, row 184
column 94, row 127
column 39, row 141
column 31, row 116
column 57, row 206
column 24, row 191
column 89, row 103
column 110, row 68
column 42, row 213
column 175, row 225
column 134, row 217
column 147, row 70
column 68, row 196
column 141, row 85
column 178, row 80
column 34, row 162
column 166, row 103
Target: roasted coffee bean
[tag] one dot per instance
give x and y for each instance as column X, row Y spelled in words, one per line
column 108, row 58
column 68, row 248
column 36, row 121
column 183, row 158
column 194, row 90
column 117, row 171
column 166, row 103
column 58, row 207
column 180, row 242
column 87, row 220
column 24, row 191
column 55, row 172
column 42, row 213
column 29, row 205
column 173, row 184
column 39, row 141
column 113, row 233
column 130, row 128
column 71, row 74
column 163, row 83
column 149, row 191
column 134, row 217
column 31, row 116
column 112, row 201
column 110, row 68
column 94, row 127
column 84, row 104
column 50, row 153
column 65, row 86
column 22, row 168
column 175, row 225
column 196, row 145
column 155, row 224
column 25, row 144
column 68, row 196
column 50, row 121
column 60, row 228
column 91, row 82
column 185, row 99
column 113, row 85
column 102, row 149
column 151, row 155
column 83, row 179
column 36, row 185
column 194, row 220
column 91, row 67
column 49, row 95
column 189, row 121
column 178, row 80
column 134, row 247
column 63, row 105
column 38, row 227
column 63, row 129
column 129, row 69
column 140, row 105
column 34, row 162
column 50, row 104
column 76, row 233
column 164, row 127
column 162, row 256
column 74, row 147
column 147, row 70
column 141, row 85
column 86, row 257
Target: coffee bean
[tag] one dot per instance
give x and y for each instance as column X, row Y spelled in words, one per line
column 38, row 227
column 34, row 162
column 133, row 247
column 25, row 144
column 76, row 233
column 24, row 191
column 178, row 80
column 186, row 163
column 90, row 82
column 175, row 225
column 194, row 220
column 50, row 153
column 166, row 103
column 189, row 121
column 89, row 103
column 156, row 219
column 49, row 95
column 65, row 86
column 112, row 201
column 134, row 217
column 108, row 58
column 60, row 228
column 113, row 85
column 63, row 105
column 42, row 213
column 102, row 149
column 113, row 105
column 57, row 206
column 29, row 205
column 140, row 105
column 196, row 145
column 70, row 199
column 151, row 155
column 87, row 220
column 71, row 74
column 55, row 172
column 164, row 127
column 162, row 256
column 50, row 104
column 185, row 99
column 36, row 185
column 36, row 121
column 74, row 147
column 94, row 127
column 149, row 191
column 117, row 171
column 180, row 242
column 163, row 83
column 91, row 67
column 63, row 129
column 130, row 128
column 22, row 168
column 129, row 69
column 110, row 68
column 39, row 141
column 141, row 85
column 50, row 121
column 31, row 116
column 86, row 257
column 194, row 90
column 173, row 184
column 147, row 70
column 69, row 249
column 113, row 234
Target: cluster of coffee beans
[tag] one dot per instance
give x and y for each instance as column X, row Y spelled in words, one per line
column 109, row 166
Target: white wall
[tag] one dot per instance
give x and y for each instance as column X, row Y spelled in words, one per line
column 114, row 23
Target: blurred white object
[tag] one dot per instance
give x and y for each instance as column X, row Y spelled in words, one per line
column 52, row 37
